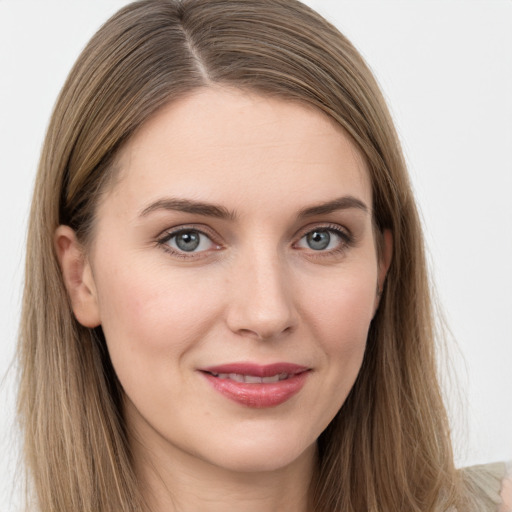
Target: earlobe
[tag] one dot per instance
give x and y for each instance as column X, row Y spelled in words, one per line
column 77, row 276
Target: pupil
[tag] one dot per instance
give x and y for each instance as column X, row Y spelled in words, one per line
column 188, row 241
column 318, row 240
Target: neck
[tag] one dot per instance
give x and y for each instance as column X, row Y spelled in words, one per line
column 175, row 481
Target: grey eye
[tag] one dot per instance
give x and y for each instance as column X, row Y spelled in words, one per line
column 187, row 241
column 318, row 240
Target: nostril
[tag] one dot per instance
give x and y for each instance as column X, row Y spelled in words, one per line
column 265, row 334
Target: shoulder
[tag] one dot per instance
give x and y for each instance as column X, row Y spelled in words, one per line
column 490, row 485
column 506, row 490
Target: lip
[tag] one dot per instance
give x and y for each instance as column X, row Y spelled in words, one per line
column 257, row 395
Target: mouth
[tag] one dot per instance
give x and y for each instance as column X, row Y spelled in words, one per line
column 251, row 379
column 257, row 386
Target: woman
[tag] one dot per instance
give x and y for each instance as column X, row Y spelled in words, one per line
column 225, row 237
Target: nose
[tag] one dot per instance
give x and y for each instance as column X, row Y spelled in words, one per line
column 262, row 304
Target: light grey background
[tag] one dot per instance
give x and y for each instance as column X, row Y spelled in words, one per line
column 446, row 70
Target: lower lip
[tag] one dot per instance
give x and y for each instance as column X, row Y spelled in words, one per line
column 258, row 395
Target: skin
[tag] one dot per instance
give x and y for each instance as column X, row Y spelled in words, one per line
column 254, row 290
column 506, row 493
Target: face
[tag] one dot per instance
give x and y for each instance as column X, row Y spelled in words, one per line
column 234, row 273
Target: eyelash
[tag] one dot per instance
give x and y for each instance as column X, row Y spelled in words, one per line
column 346, row 240
column 345, row 237
column 169, row 235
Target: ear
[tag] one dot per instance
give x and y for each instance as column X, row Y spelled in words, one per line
column 77, row 276
column 386, row 255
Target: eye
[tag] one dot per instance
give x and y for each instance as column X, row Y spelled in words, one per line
column 187, row 240
column 324, row 239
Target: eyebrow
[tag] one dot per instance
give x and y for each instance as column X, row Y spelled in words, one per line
column 189, row 206
column 341, row 203
column 214, row 210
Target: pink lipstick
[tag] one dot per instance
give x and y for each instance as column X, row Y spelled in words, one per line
column 257, row 386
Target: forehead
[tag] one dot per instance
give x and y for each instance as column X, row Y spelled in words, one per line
column 241, row 148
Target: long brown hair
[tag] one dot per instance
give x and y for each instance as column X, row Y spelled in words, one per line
column 388, row 448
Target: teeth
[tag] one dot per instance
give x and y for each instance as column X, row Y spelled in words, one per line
column 251, row 379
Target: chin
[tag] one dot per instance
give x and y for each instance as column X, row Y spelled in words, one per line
column 264, row 455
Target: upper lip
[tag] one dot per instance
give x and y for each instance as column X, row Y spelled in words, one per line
column 257, row 370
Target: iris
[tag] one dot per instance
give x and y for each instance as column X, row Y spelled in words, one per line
column 187, row 240
column 318, row 240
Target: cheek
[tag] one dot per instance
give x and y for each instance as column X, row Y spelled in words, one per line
column 343, row 306
column 150, row 315
column 340, row 315
column 338, row 312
